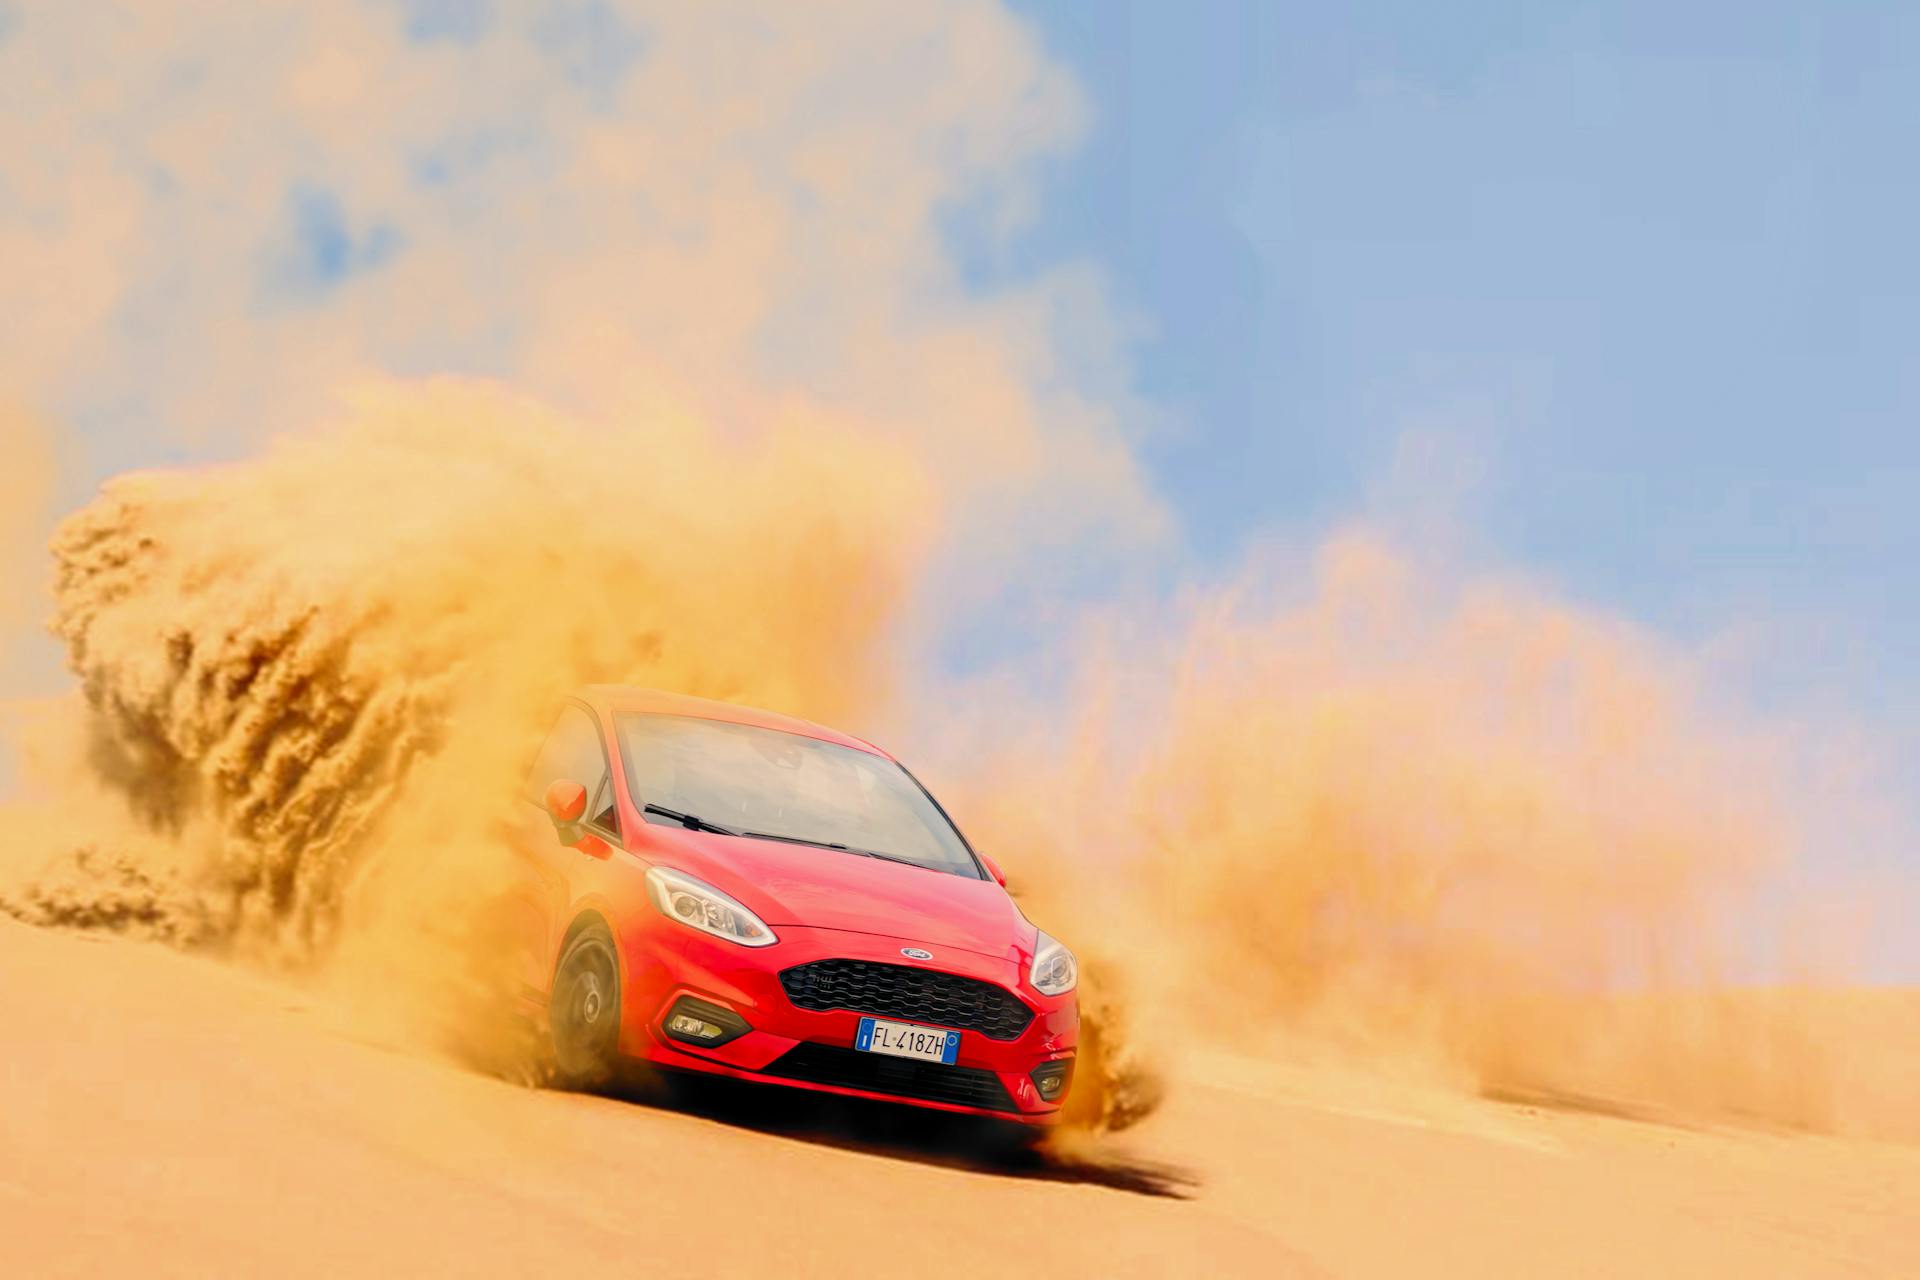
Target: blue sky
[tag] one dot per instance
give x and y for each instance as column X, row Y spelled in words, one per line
column 1650, row 268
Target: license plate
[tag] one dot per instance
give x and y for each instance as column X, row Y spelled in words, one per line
column 904, row 1040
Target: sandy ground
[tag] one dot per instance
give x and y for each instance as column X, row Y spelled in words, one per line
column 167, row 1115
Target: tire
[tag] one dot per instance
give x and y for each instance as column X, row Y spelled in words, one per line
column 583, row 1013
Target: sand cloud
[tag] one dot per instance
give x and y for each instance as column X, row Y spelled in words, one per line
column 629, row 342
column 219, row 217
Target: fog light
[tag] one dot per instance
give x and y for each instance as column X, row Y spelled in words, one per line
column 1051, row 1079
column 682, row 1024
column 701, row 1022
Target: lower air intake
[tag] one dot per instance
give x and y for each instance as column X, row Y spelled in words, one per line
column 901, row 1077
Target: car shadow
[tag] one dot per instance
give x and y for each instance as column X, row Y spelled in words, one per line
column 998, row 1148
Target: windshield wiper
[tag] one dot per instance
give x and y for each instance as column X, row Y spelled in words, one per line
column 829, row 844
column 894, row 857
column 694, row 822
column 818, row 844
column 691, row 822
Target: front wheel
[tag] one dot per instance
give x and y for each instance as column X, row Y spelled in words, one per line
column 584, row 1013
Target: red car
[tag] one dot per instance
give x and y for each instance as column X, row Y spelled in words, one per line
column 729, row 891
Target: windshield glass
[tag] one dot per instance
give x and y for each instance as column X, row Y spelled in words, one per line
column 769, row 782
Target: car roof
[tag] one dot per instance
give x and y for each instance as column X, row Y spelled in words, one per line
column 607, row 698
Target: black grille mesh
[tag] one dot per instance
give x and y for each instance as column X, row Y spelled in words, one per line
column 913, row 995
column 902, row 1077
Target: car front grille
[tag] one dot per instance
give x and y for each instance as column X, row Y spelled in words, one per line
column 910, row 994
column 901, row 1077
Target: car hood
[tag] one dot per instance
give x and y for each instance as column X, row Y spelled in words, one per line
column 797, row 884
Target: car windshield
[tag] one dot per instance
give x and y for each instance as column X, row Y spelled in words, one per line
column 768, row 782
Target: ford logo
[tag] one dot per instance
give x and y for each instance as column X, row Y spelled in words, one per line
column 915, row 953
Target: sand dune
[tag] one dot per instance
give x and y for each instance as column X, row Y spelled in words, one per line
column 167, row 1115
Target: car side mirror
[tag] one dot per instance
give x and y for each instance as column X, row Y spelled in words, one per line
column 993, row 869
column 567, row 806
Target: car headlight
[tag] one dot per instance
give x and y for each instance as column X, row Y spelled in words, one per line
column 1054, row 972
column 699, row 905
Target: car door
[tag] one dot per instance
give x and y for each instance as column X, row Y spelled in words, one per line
column 574, row 751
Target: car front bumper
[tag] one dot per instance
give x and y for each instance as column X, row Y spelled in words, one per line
column 662, row 963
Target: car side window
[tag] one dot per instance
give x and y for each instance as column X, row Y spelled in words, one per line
column 574, row 751
column 606, row 813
